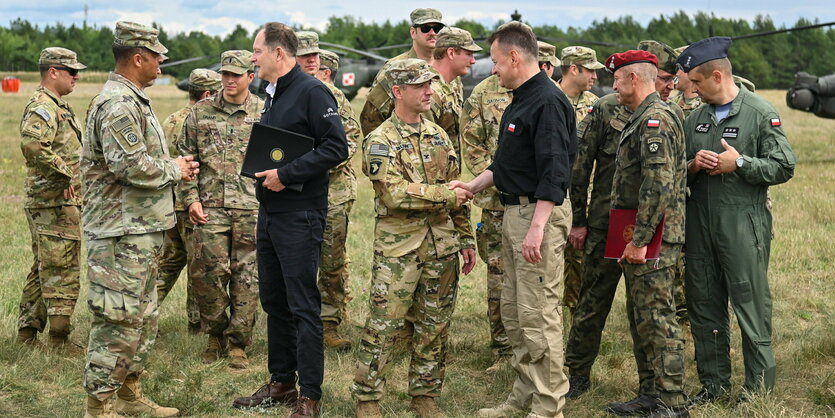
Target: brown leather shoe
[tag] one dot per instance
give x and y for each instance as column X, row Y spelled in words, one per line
column 269, row 395
column 305, row 407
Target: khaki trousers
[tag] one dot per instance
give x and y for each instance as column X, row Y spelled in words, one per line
column 531, row 310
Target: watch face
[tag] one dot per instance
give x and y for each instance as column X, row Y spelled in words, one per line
column 739, row 161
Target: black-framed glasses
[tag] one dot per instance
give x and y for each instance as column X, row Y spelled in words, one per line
column 71, row 71
column 426, row 27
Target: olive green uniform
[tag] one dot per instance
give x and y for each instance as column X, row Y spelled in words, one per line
column 729, row 239
column 480, row 119
column 51, row 145
column 650, row 176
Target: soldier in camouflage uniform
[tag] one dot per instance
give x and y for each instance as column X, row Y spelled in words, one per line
column 307, row 56
column 223, row 209
column 426, row 24
column 51, row 144
column 126, row 178
column 650, row 176
column 176, row 253
column 480, row 121
column 342, row 191
column 421, row 226
column 548, row 60
column 579, row 73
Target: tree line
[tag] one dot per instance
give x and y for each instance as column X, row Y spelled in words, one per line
column 769, row 61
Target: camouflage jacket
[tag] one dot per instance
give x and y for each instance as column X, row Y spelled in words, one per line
column 126, row 171
column 582, row 104
column 173, row 130
column 597, row 143
column 446, row 109
column 342, row 182
column 409, row 170
column 480, row 121
column 216, row 133
column 378, row 105
column 51, row 144
column 651, row 172
column 687, row 105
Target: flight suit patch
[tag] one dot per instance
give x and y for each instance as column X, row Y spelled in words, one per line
column 703, row 128
column 730, row 133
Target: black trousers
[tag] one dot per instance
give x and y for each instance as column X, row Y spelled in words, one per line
column 288, row 248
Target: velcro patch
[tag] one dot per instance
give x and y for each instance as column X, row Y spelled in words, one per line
column 653, row 147
column 775, row 122
column 591, row 108
column 43, row 113
column 377, row 168
column 401, row 147
column 379, row 149
column 730, row 133
column 653, row 123
column 511, row 127
column 702, row 128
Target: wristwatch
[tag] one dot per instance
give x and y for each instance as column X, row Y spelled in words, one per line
column 739, row 161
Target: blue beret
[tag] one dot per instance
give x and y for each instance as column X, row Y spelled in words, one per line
column 703, row 51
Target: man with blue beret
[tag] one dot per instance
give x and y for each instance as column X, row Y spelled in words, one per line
column 736, row 149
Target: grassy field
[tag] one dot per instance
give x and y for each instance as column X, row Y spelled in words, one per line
column 44, row 384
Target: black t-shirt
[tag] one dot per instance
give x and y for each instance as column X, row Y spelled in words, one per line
column 537, row 142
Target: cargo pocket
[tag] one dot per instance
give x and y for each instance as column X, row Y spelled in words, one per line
column 531, row 320
column 113, row 305
column 741, row 292
column 673, row 364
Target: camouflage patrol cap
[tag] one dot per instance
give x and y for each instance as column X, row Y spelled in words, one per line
column 580, row 55
column 410, row 71
column 328, row 59
column 308, row 43
column 451, row 37
column 60, row 56
column 138, row 35
column 548, row 53
column 680, row 49
column 204, row 79
column 666, row 54
column 236, row 61
column 421, row 16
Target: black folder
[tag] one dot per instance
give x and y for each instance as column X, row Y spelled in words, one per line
column 270, row 147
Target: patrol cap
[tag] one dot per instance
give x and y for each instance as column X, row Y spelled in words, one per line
column 138, row 35
column 204, row 79
column 630, row 57
column 451, row 37
column 421, row 16
column 703, row 51
column 237, row 61
column 666, row 54
column 580, row 55
column 60, row 56
column 410, row 71
column 328, row 59
column 308, row 43
column 548, row 53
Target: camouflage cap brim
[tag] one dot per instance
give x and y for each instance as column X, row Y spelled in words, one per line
column 308, row 51
column 234, row 69
column 424, row 77
column 592, row 65
column 472, row 47
column 159, row 48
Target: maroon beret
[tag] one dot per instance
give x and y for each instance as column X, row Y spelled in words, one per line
column 622, row 59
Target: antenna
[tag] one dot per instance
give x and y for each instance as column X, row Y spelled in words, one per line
column 86, row 10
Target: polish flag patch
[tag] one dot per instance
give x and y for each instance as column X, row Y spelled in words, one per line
column 653, row 123
column 590, row 109
column 511, row 127
column 775, row 122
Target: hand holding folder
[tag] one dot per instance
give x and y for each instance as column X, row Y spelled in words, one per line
column 272, row 148
column 621, row 230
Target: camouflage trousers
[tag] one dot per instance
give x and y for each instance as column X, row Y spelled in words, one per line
column 573, row 277
column 600, row 282
column 52, row 284
column 123, row 300
column 333, row 264
column 176, row 254
column 489, row 238
column 425, row 286
column 532, row 312
column 224, row 271
column 678, row 293
column 656, row 336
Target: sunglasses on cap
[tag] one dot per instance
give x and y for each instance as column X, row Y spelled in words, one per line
column 426, row 27
column 71, row 71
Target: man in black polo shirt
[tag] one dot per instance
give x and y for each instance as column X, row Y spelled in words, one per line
column 532, row 170
column 290, row 224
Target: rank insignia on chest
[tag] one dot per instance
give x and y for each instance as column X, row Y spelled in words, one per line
column 730, row 133
column 775, row 122
column 511, row 127
column 653, row 123
column 702, row 128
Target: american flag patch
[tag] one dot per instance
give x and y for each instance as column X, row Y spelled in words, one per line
column 775, row 122
column 653, row 123
column 511, row 128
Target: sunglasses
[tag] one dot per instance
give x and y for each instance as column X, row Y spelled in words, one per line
column 71, row 71
column 426, row 27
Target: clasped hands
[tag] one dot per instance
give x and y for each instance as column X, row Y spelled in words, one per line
column 715, row 163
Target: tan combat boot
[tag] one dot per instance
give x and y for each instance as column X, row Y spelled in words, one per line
column 426, row 407
column 213, row 350
column 237, row 358
column 368, row 409
column 131, row 401
column 333, row 339
column 100, row 409
column 502, row 410
column 28, row 336
column 59, row 331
